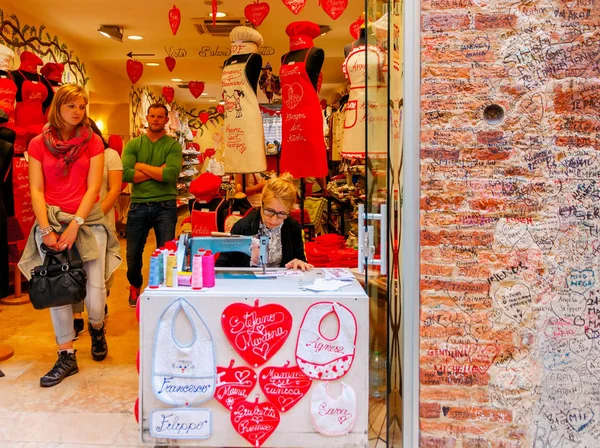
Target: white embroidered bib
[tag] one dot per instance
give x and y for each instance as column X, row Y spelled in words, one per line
column 322, row 358
column 333, row 417
column 183, row 374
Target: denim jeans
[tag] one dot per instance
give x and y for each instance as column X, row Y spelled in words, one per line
column 160, row 216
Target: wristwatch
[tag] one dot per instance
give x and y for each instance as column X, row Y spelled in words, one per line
column 79, row 220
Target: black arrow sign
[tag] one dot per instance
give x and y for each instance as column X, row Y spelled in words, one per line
column 132, row 54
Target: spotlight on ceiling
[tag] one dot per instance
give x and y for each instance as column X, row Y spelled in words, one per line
column 113, row 32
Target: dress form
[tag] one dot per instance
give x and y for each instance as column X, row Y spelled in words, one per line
column 244, row 135
column 362, row 40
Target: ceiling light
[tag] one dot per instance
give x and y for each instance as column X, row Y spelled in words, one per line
column 113, row 32
column 219, row 14
column 133, row 37
column 212, row 101
column 152, row 64
column 221, row 102
column 176, row 79
column 204, row 94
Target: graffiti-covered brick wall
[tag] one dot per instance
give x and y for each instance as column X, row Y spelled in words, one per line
column 510, row 224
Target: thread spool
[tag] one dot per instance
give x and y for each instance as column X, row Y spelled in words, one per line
column 208, row 269
column 171, row 263
column 197, row 271
column 154, row 277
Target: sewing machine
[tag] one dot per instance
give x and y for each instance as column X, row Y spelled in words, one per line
column 220, row 242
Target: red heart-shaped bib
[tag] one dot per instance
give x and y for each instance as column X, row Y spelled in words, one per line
column 257, row 332
column 284, row 386
column 334, row 8
column 168, row 93
column 170, row 62
column 196, row 88
column 134, row 70
column 255, row 422
column 257, row 12
column 235, row 384
column 294, row 5
column 174, row 19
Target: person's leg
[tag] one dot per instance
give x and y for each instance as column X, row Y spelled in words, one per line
column 164, row 221
column 78, row 324
column 96, row 295
column 138, row 226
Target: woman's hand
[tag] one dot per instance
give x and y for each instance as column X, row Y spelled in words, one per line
column 296, row 264
column 68, row 237
column 51, row 240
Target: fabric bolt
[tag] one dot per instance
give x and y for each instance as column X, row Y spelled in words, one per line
column 60, row 190
column 333, row 416
column 183, row 374
column 322, row 358
column 112, row 162
column 303, row 152
column 244, row 136
column 367, row 85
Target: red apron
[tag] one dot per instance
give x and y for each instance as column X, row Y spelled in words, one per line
column 303, row 151
column 29, row 115
column 8, row 93
column 204, row 220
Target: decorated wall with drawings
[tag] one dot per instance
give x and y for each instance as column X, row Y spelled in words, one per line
column 510, row 295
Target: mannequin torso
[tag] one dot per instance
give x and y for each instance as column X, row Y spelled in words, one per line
column 314, row 61
column 362, row 40
column 20, row 76
column 253, row 66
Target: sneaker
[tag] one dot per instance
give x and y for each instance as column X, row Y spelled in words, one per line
column 65, row 366
column 99, row 346
column 134, row 294
column 79, row 327
column 105, row 311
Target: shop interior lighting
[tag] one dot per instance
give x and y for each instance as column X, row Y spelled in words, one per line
column 113, row 32
column 212, row 101
column 220, row 14
column 176, row 79
column 204, row 94
column 134, row 37
column 152, row 64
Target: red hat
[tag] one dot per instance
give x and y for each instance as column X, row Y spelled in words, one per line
column 30, row 61
column 53, row 71
column 206, row 186
column 302, row 34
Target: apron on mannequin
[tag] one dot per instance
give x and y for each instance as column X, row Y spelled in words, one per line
column 303, row 151
column 355, row 115
column 322, row 358
column 29, row 115
column 244, row 136
column 329, row 416
column 183, row 374
column 8, row 95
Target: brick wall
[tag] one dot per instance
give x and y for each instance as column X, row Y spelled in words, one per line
column 510, row 216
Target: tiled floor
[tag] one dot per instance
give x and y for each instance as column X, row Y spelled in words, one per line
column 93, row 408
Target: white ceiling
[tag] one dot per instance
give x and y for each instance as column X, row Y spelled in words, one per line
column 78, row 20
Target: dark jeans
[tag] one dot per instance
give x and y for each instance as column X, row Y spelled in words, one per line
column 162, row 217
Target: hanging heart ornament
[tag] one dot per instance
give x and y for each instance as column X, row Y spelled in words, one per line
column 170, row 63
column 174, row 19
column 334, row 8
column 257, row 332
column 294, row 5
column 284, row 386
column 168, row 93
column 235, row 384
column 356, row 26
column 134, row 70
column 196, row 88
column 257, row 12
column 255, row 421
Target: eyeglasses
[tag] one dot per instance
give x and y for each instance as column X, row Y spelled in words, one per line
column 269, row 213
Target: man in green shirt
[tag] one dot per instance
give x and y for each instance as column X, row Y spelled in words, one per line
column 152, row 163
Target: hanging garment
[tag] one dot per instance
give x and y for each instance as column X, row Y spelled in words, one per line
column 183, row 374
column 8, row 94
column 329, row 416
column 244, row 136
column 205, row 217
column 356, row 117
column 303, row 152
column 322, row 358
column 29, row 112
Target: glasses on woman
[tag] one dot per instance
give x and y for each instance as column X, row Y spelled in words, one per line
column 269, row 213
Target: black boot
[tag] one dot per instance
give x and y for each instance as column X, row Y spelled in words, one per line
column 99, row 347
column 65, row 366
column 78, row 326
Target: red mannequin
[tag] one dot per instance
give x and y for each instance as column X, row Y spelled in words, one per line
column 53, row 72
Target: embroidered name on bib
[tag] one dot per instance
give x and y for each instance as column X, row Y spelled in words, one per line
column 333, row 417
column 186, row 423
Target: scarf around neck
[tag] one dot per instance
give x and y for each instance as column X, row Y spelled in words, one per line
column 67, row 151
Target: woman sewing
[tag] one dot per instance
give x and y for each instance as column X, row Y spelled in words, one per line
column 286, row 242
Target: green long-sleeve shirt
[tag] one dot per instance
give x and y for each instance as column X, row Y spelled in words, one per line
column 143, row 150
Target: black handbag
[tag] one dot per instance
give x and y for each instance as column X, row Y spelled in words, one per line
column 56, row 282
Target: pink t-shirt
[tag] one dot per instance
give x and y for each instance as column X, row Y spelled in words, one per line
column 68, row 191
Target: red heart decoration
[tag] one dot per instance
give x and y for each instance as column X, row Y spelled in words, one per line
column 204, row 117
column 134, row 70
column 257, row 12
column 284, row 386
column 355, row 27
column 257, row 332
column 235, row 384
column 334, row 8
column 292, row 94
column 196, row 88
column 255, row 422
column 294, row 5
column 170, row 62
column 174, row 19
column 168, row 93
column 220, row 109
